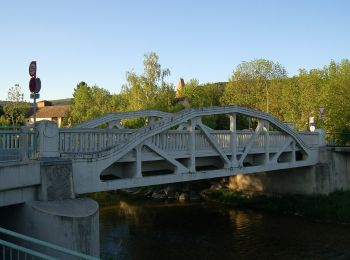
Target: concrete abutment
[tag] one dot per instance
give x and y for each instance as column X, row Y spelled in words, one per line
column 330, row 174
column 73, row 224
column 56, row 215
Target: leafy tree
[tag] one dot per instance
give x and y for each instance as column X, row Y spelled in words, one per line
column 194, row 92
column 16, row 107
column 250, row 83
column 336, row 96
column 149, row 90
column 4, row 121
column 88, row 103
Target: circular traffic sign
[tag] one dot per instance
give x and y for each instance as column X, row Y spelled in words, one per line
column 32, row 69
column 37, row 85
column 32, row 85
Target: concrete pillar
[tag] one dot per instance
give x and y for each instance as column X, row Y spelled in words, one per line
column 56, row 180
column 138, row 168
column 233, row 129
column 24, row 143
column 48, row 142
column 192, row 145
column 267, row 141
column 321, row 137
column 73, row 224
column 151, row 120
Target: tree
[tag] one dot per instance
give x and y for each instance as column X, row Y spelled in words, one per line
column 250, row 82
column 88, row 103
column 16, row 107
column 149, row 90
column 336, row 96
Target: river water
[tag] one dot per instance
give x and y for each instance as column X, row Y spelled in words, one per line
column 159, row 230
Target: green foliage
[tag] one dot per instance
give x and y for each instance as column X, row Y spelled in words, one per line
column 4, row 121
column 90, row 102
column 252, row 84
column 259, row 84
column 149, row 90
column 294, row 99
column 16, row 108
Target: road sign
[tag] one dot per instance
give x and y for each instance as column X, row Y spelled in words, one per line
column 32, row 84
column 34, row 96
column 37, row 85
column 32, row 69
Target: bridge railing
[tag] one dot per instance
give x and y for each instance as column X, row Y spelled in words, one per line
column 17, row 144
column 179, row 140
column 312, row 139
column 17, row 246
column 90, row 140
column 95, row 140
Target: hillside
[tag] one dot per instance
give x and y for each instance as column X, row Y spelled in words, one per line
column 55, row 102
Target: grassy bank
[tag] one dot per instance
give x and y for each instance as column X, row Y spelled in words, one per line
column 334, row 207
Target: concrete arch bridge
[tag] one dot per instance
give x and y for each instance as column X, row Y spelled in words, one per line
column 180, row 147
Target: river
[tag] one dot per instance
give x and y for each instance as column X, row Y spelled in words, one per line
column 134, row 229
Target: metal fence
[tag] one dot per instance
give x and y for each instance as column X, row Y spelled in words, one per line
column 338, row 139
column 23, row 246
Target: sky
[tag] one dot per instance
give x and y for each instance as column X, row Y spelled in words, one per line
column 99, row 41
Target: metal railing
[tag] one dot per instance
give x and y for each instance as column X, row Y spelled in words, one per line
column 15, row 250
column 338, row 139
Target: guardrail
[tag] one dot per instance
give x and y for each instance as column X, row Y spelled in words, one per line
column 15, row 250
column 338, row 139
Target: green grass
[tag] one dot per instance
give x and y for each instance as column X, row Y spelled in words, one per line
column 334, row 207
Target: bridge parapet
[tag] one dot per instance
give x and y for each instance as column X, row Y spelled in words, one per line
column 17, row 144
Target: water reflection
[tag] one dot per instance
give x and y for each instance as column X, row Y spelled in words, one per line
column 155, row 230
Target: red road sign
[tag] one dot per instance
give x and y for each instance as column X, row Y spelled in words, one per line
column 32, row 69
column 32, row 84
column 37, row 85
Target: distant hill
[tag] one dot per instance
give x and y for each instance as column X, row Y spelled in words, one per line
column 55, row 102
column 61, row 102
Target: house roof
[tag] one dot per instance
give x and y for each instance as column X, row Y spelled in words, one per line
column 50, row 111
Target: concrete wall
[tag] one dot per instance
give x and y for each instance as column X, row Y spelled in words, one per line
column 332, row 173
column 18, row 182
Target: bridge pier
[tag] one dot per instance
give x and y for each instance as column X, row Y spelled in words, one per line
column 73, row 224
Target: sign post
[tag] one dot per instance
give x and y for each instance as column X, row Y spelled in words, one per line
column 34, row 86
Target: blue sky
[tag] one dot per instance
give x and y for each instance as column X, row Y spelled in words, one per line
column 98, row 41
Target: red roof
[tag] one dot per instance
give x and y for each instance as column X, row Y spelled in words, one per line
column 51, row 111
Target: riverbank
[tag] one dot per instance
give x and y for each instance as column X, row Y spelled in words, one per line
column 334, row 207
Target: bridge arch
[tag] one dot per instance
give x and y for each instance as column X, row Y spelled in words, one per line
column 114, row 119
column 181, row 147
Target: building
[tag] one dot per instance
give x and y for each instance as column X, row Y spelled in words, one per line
column 46, row 111
column 179, row 98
